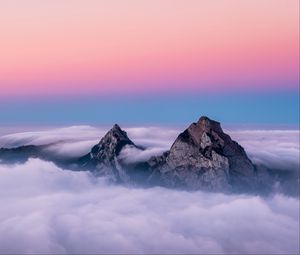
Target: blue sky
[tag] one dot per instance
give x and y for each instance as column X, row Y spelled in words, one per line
column 235, row 108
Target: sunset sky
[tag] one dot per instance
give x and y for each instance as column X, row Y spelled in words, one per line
column 227, row 58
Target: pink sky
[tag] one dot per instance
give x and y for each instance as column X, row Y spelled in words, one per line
column 71, row 47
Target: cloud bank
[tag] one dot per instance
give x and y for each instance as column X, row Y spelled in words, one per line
column 49, row 210
column 273, row 148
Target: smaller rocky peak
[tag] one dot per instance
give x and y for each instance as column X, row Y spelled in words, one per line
column 116, row 128
column 114, row 140
column 117, row 132
column 103, row 158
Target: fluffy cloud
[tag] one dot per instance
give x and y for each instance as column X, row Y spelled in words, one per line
column 274, row 148
column 49, row 210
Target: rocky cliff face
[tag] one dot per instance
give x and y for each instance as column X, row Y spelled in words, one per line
column 103, row 158
column 204, row 157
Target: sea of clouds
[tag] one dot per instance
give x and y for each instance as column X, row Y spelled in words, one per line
column 46, row 209
column 49, row 210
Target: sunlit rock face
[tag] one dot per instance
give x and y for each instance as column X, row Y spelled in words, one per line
column 204, row 157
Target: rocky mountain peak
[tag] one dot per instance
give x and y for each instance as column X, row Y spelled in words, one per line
column 202, row 132
column 116, row 128
column 203, row 156
column 103, row 157
column 207, row 125
column 112, row 143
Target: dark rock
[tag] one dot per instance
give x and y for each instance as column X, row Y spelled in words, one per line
column 22, row 153
column 103, row 158
column 19, row 154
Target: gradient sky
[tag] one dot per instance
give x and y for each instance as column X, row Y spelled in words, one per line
column 147, row 54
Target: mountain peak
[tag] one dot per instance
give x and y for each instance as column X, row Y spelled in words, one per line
column 115, row 136
column 204, row 118
column 113, row 142
column 207, row 124
column 103, row 157
column 204, row 156
column 196, row 131
column 116, row 127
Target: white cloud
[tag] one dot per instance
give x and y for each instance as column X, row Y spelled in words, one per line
column 49, row 210
column 130, row 154
column 274, row 148
column 162, row 137
column 72, row 149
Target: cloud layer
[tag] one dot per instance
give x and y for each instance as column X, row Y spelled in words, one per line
column 274, row 148
column 50, row 210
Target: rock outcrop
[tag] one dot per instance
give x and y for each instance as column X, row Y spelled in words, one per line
column 204, row 157
column 103, row 158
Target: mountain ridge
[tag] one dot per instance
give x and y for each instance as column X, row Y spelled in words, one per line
column 202, row 157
